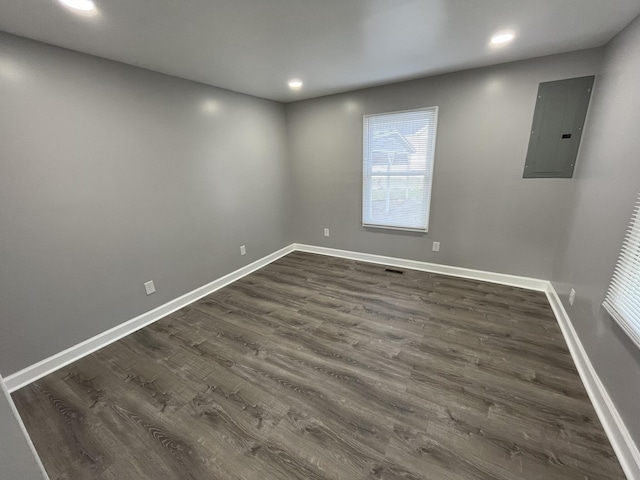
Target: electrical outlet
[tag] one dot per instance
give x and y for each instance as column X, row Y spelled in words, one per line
column 572, row 296
column 243, row 250
column 326, row 232
column 436, row 247
column 150, row 287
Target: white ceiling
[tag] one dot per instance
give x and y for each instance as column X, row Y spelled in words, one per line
column 255, row 46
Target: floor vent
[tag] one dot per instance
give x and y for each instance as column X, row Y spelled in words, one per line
column 392, row 270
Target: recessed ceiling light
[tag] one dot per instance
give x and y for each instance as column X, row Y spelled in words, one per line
column 502, row 38
column 80, row 5
column 295, row 84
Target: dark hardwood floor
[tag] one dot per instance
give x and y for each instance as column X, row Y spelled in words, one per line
column 323, row 368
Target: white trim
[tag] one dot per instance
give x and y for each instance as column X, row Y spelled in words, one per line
column 427, row 174
column 622, row 442
column 620, row 438
column 27, row 437
column 402, row 229
column 501, row 278
column 49, row 365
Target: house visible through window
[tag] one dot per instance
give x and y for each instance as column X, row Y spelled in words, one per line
column 623, row 298
column 398, row 165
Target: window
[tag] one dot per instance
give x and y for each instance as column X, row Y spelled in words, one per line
column 398, row 165
column 623, row 298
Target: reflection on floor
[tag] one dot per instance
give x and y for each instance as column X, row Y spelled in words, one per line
column 322, row 368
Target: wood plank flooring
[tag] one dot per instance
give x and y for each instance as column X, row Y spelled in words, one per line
column 323, row 368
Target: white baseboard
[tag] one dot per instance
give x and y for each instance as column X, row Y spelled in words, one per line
column 621, row 441
column 14, row 410
column 49, row 365
column 501, row 278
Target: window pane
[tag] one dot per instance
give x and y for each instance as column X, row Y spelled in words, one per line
column 398, row 161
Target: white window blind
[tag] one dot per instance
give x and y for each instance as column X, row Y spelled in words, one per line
column 623, row 298
column 398, row 165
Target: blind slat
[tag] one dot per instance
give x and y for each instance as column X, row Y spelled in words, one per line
column 623, row 297
column 397, row 167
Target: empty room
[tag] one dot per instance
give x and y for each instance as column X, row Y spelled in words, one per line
column 311, row 239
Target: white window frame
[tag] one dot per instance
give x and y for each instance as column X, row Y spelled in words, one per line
column 428, row 172
column 623, row 297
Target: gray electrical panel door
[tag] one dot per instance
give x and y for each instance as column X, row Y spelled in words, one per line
column 557, row 127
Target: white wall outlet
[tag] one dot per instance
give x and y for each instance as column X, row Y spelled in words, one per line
column 150, row 287
column 326, row 232
column 436, row 247
column 572, row 296
column 243, row 250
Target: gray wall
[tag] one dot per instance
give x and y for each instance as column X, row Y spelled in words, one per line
column 606, row 184
column 113, row 176
column 483, row 212
column 17, row 456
